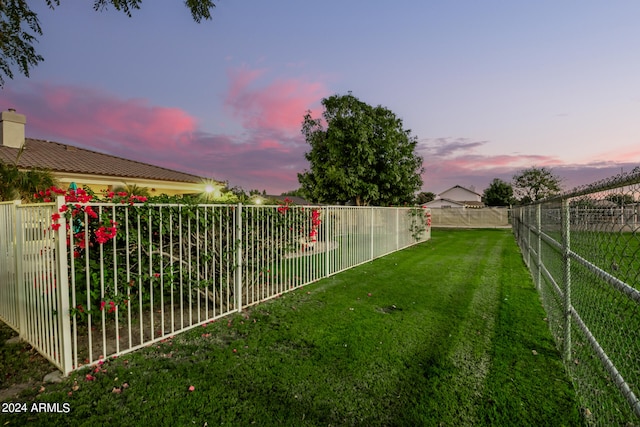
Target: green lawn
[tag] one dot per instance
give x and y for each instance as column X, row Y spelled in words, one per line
column 450, row 332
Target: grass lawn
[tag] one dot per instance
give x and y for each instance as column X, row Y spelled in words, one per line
column 450, row 332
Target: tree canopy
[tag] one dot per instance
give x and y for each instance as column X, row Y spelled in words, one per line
column 499, row 193
column 363, row 155
column 20, row 27
column 535, row 184
column 425, row 197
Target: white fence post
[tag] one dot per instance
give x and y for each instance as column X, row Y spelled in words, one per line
column 397, row 231
column 19, row 269
column 64, row 320
column 238, row 266
column 372, row 230
column 327, row 237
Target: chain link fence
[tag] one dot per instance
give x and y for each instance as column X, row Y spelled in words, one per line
column 583, row 250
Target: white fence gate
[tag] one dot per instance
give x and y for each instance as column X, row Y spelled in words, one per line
column 86, row 281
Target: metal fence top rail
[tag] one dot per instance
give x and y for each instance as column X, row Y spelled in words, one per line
column 209, row 205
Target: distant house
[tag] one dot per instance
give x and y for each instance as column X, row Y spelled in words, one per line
column 96, row 170
column 456, row 197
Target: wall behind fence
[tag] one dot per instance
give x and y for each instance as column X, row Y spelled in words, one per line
column 583, row 250
column 471, row 217
column 102, row 279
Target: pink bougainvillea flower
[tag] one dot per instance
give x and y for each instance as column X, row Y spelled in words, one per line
column 55, row 227
column 89, row 377
column 55, row 216
column 191, row 388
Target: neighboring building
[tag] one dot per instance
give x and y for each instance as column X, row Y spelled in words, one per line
column 456, row 197
column 99, row 171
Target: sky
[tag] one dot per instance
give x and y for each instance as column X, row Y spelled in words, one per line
column 487, row 87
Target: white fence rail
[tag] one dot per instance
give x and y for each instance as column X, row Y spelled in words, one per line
column 106, row 279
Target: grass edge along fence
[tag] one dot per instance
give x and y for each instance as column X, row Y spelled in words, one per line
column 84, row 281
column 583, row 251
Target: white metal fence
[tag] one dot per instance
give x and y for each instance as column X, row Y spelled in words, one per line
column 583, row 250
column 106, row 279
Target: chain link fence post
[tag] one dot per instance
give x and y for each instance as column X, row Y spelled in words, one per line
column 566, row 277
column 539, row 246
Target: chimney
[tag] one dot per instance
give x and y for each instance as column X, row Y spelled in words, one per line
column 12, row 128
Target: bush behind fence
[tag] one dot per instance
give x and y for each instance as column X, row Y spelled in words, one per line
column 85, row 281
column 583, row 250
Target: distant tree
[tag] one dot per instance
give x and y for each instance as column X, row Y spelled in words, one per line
column 535, row 183
column 499, row 193
column 621, row 199
column 363, row 155
column 298, row 192
column 425, row 197
column 20, row 27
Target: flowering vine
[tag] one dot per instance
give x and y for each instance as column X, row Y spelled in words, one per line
column 315, row 223
column 86, row 228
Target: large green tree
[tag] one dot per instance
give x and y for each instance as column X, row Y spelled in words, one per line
column 536, row 183
column 363, row 155
column 498, row 193
column 20, row 27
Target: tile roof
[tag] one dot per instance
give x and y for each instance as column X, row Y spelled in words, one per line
column 59, row 157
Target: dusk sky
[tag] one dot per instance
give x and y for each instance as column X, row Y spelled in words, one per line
column 488, row 87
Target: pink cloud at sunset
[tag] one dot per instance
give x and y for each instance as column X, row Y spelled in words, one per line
column 267, row 153
column 268, row 150
column 279, row 105
column 456, row 161
column 94, row 119
column 623, row 155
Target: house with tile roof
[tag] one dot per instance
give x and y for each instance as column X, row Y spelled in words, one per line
column 99, row 171
column 456, row 197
